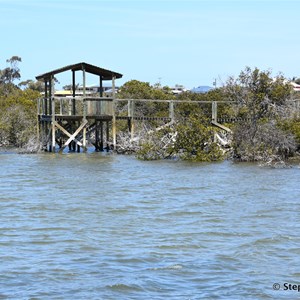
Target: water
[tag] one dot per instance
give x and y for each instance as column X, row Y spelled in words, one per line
column 98, row 226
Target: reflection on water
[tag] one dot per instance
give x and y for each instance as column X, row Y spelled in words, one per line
column 101, row 226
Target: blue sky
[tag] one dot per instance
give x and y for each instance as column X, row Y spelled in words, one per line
column 185, row 42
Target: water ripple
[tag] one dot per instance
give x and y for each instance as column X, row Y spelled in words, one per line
column 96, row 226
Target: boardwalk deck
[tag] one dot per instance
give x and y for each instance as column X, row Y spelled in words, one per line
column 95, row 121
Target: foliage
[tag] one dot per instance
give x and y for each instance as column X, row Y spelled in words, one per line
column 32, row 85
column 187, row 109
column 224, row 109
column 7, row 89
column 9, row 74
column 15, row 126
column 69, row 87
column 157, row 144
column 17, row 109
column 149, row 150
column 263, row 142
column 270, row 131
column 292, row 126
column 18, row 117
column 195, row 140
column 192, row 140
column 262, row 99
column 258, row 91
column 135, row 89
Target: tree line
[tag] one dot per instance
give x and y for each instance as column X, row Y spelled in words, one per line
column 266, row 104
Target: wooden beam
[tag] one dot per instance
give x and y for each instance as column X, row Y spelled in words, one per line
column 107, row 135
column 114, row 124
column 52, row 102
column 101, row 135
column 114, row 129
column 73, row 93
column 214, row 111
column 71, row 136
column 171, row 110
column 45, row 108
column 131, row 124
column 113, row 87
column 97, row 136
column 221, row 126
column 176, row 101
column 38, row 124
column 50, row 96
column 84, row 108
column 101, row 86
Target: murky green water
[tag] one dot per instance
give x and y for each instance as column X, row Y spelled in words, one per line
column 96, row 226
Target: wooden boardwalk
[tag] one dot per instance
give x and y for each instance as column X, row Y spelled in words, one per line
column 95, row 120
column 75, row 121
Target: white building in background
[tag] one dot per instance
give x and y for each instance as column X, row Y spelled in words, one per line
column 89, row 90
column 96, row 88
column 178, row 89
column 296, row 86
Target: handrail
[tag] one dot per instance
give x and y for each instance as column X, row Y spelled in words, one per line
column 78, row 98
column 175, row 101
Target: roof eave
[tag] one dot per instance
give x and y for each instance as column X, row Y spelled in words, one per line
column 105, row 74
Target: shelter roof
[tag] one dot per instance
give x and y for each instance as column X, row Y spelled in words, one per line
column 106, row 74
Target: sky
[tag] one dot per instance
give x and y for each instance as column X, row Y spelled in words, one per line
column 188, row 42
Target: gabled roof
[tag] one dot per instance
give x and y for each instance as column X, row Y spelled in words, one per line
column 106, row 74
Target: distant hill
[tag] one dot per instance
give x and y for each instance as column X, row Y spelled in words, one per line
column 201, row 89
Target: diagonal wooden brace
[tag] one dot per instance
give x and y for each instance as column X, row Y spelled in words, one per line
column 71, row 136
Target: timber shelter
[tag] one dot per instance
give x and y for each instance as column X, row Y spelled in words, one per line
column 74, row 120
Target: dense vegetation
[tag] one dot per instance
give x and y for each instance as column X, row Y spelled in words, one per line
column 267, row 103
column 17, row 108
column 270, row 130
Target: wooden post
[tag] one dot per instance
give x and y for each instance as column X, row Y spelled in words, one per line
column 45, row 109
column 49, row 112
column 46, row 125
column 130, row 117
column 171, row 111
column 73, row 94
column 114, row 125
column 43, row 136
column 50, row 95
column 101, row 86
column 101, row 136
column 107, row 135
column 84, row 110
column 38, row 124
column 214, row 116
column 99, row 104
column 214, row 111
column 61, row 106
column 53, row 114
column 97, row 135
